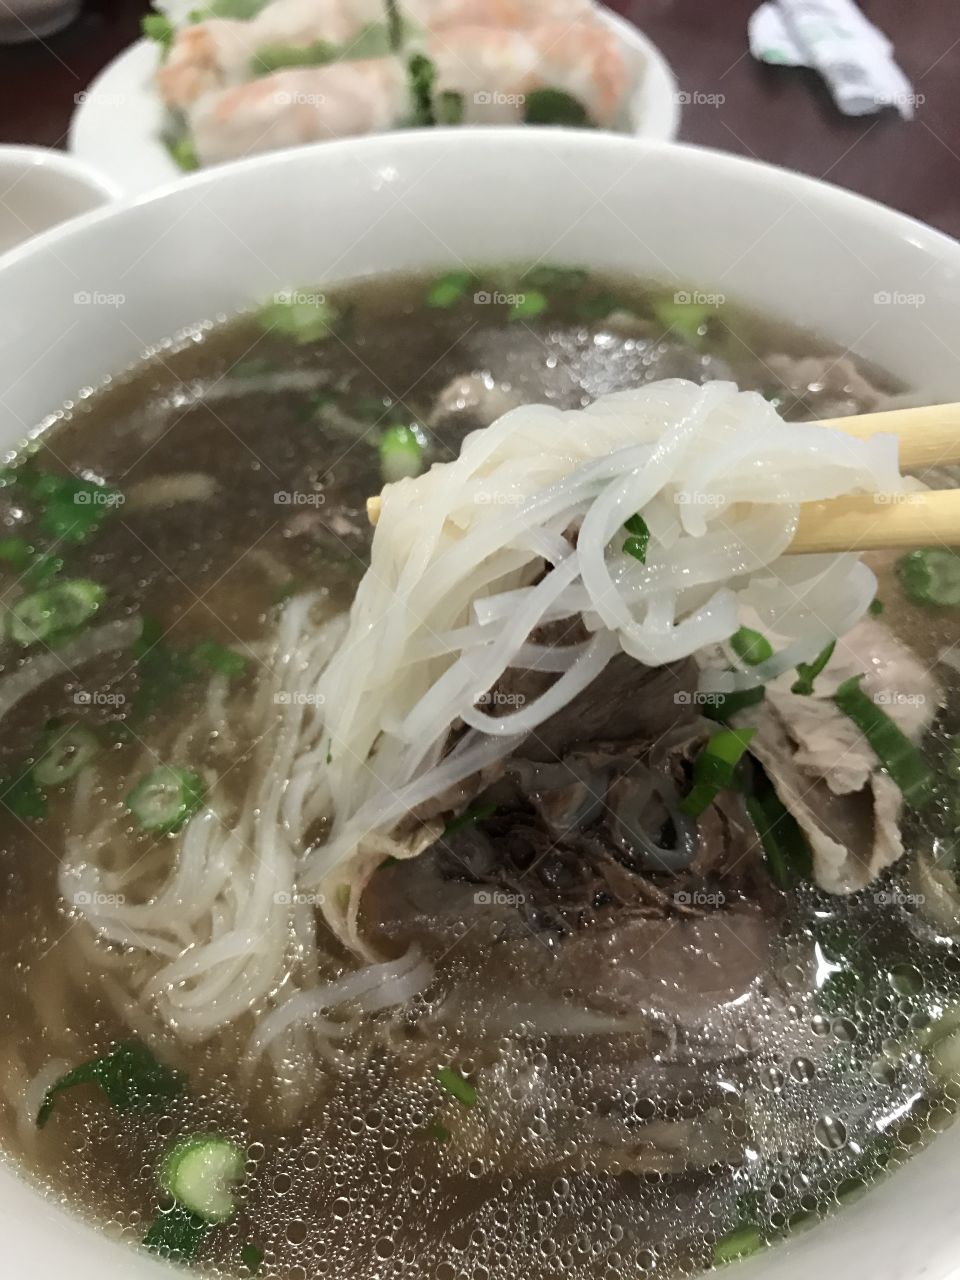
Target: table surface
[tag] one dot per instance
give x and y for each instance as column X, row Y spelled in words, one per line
column 778, row 114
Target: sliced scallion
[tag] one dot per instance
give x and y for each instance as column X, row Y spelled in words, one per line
column 751, row 646
column 931, row 576
column 166, row 798
column 449, row 289
column 726, row 705
column 456, row 1085
column 401, row 454
column 715, row 768
column 60, row 608
column 896, row 753
column 65, row 751
column 739, row 1243
column 201, row 1172
column 807, row 672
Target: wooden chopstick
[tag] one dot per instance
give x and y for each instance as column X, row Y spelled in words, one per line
column 929, row 436
column 871, row 522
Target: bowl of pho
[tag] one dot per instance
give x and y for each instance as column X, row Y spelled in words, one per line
column 540, row 869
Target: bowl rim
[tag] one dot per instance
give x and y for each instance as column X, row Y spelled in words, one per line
column 388, row 147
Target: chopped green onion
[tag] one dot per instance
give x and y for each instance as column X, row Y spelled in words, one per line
column 276, row 57
column 251, row 1257
column 739, row 1243
column 176, row 1234
column 715, row 768
column 439, row 1131
column 449, row 108
column 166, row 798
column 931, row 576
column 159, row 28
column 131, row 1077
column 43, row 570
column 218, row 657
column 61, row 608
column 449, row 288
column 639, row 541
column 456, row 1085
column 64, row 753
column 183, row 153
column 303, row 316
column 808, row 671
column 469, row 818
column 751, row 646
column 686, row 318
column 896, row 753
column 15, row 552
column 785, row 848
column 876, row 607
column 554, row 279
column 553, row 106
column 401, row 454
column 728, row 704
column 423, row 75
column 201, row 1172
column 528, row 305
column 22, row 796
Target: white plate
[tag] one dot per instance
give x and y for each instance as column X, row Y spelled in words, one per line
column 119, row 118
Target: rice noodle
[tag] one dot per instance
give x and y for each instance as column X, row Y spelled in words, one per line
column 470, row 559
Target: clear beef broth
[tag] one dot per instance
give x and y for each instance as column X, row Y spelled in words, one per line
column 590, row 1150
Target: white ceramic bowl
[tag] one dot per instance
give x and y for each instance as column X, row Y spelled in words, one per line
column 40, row 188
column 83, row 302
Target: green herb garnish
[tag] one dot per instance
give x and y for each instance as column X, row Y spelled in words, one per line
column 807, row 672
column 896, row 753
column 751, row 646
column 553, row 106
column 456, row 1085
column 131, row 1077
column 176, row 1234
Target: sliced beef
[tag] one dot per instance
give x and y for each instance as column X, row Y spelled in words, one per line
column 813, row 387
column 825, row 771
